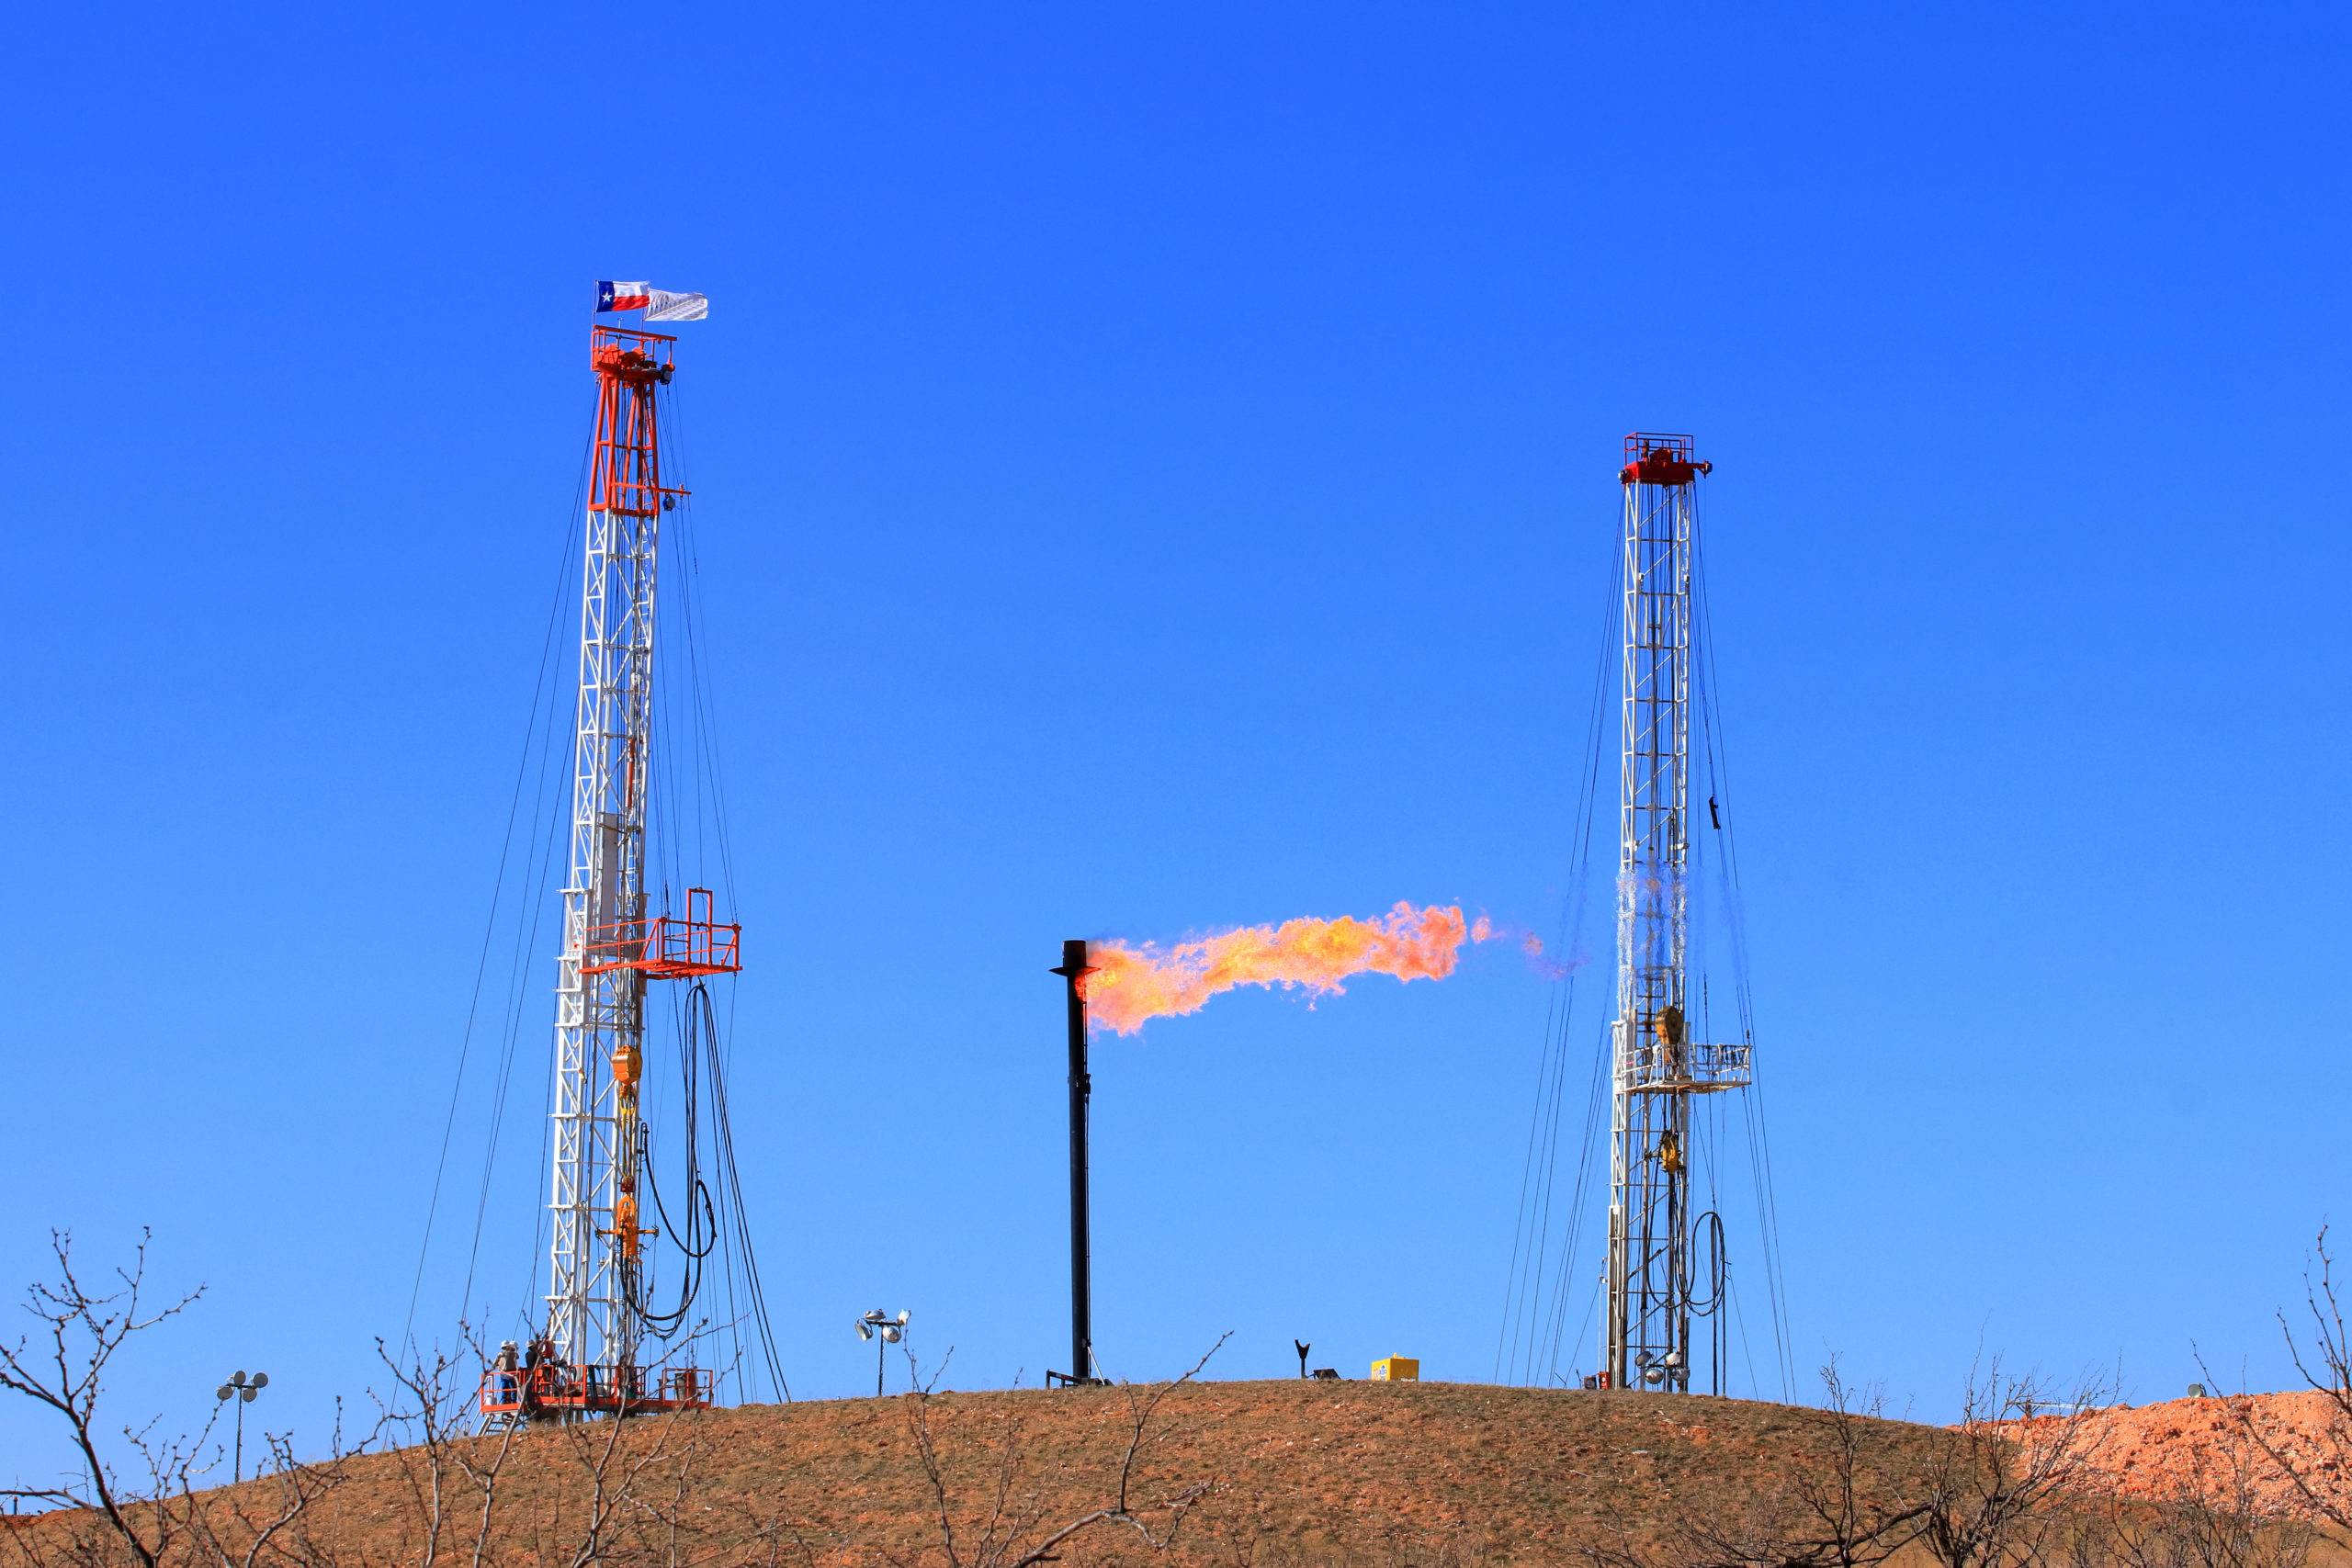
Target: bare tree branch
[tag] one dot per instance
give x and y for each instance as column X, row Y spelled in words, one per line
column 80, row 1334
column 2000, row 1480
column 2316, row 1482
column 999, row 1543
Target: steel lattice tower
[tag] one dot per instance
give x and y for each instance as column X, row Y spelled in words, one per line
column 611, row 946
column 1655, row 1067
column 600, row 1009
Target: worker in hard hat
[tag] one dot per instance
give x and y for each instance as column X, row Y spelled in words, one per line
column 539, row 1354
column 509, row 1361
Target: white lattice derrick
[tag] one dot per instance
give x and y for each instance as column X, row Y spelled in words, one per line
column 593, row 1253
column 1656, row 1068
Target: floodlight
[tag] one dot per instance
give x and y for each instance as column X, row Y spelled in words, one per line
column 238, row 1392
column 878, row 1325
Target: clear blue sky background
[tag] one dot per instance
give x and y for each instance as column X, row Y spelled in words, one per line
column 1155, row 471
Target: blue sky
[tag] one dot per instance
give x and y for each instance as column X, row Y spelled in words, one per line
column 1154, row 470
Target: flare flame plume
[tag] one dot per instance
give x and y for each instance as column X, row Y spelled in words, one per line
column 1129, row 984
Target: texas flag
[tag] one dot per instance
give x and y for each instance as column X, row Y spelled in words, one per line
column 659, row 305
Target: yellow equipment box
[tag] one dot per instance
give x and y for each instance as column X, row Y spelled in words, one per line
column 1396, row 1369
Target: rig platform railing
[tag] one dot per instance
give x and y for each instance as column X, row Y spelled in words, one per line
column 1691, row 1069
column 616, row 1391
column 668, row 947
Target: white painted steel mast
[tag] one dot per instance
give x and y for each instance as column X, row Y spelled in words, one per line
column 1655, row 1067
column 611, row 948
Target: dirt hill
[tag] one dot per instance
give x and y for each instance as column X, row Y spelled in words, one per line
column 2218, row 1445
column 1285, row 1472
column 1277, row 1473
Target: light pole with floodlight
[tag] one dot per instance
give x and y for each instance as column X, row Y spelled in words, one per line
column 243, row 1392
column 885, row 1331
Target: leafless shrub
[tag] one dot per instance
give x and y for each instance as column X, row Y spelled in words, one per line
column 617, row 1466
column 1986, row 1494
column 1005, row 1536
column 1846, row 1506
column 2217, row 1518
column 2326, row 1365
column 64, row 1369
column 442, row 1466
column 108, row 1520
column 2000, row 1487
column 1846, row 1513
column 267, row 1522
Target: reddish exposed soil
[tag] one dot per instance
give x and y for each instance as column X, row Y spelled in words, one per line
column 2158, row 1451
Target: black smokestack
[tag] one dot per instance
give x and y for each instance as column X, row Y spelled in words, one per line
column 1081, row 1291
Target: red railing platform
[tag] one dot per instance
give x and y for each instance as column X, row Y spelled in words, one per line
column 614, row 1390
column 1655, row 459
column 667, row 947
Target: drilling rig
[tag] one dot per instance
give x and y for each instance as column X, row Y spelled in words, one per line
column 589, row 1358
column 1657, row 1069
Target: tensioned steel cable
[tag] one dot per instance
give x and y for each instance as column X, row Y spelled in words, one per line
column 1522, row 1306
column 1596, row 1097
column 530, row 923
column 549, row 809
column 1596, row 1106
column 712, row 769
column 686, row 721
column 1522, row 1330
column 709, row 754
column 1759, row 1129
column 699, row 683
column 1533, row 1227
column 731, row 1175
column 490, row 924
column 1597, row 1092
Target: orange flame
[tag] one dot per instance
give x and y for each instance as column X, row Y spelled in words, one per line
column 1129, row 985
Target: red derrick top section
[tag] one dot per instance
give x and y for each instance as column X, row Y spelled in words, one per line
column 1660, row 460
column 634, row 360
column 631, row 367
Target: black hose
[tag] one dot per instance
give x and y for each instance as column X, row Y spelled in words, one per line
column 701, row 1071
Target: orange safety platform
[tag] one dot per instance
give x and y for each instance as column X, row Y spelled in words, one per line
column 666, row 947
column 527, row 1390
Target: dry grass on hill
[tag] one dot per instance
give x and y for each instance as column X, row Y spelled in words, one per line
column 1296, row 1471
column 1277, row 1473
